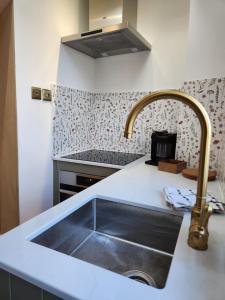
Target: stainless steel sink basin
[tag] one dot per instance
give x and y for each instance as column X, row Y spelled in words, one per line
column 133, row 241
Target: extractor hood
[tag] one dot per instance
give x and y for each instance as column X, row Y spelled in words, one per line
column 112, row 30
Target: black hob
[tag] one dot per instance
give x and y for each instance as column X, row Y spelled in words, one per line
column 106, row 157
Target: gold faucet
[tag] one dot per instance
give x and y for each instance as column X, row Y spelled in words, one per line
column 198, row 230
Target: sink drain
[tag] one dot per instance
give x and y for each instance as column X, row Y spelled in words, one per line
column 140, row 277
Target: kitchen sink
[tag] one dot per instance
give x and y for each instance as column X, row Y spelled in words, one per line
column 133, row 241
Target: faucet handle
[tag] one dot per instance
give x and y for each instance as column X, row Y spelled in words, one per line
column 206, row 213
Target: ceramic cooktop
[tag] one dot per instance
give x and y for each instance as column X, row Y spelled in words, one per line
column 105, row 157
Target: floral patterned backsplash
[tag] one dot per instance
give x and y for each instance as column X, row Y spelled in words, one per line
column 110, row 112
column 221, row 165
column 71, row 120
column 84, row 120
column 211, row 94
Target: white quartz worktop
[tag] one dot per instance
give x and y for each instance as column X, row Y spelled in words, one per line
column 193, row 274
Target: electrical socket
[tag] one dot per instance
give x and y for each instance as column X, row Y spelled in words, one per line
column 46, row 95
column 36, row 93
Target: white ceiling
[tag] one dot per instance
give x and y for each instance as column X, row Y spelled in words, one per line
column 3, row 4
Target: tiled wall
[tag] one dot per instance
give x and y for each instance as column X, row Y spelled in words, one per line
column 85, row 120
column 15, row 288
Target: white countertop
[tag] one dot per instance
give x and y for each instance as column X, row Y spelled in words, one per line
column 193, row 274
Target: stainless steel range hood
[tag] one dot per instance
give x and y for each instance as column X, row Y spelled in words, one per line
column 114, row 39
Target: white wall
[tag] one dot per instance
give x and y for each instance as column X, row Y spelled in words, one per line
column 206, row 42
column 188, row 44
column 165, row 25
column 40, row 61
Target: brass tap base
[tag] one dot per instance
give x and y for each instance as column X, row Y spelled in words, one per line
column 198, row 238
column 198, row 231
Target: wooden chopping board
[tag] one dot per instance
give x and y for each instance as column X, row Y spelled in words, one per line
column 192, row 173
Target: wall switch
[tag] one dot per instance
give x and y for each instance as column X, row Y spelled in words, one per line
column 36, row 93
column 46, row 95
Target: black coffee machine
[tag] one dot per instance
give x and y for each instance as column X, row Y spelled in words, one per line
column 163, row 146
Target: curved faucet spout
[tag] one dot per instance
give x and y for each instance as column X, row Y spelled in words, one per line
column 198, row 232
